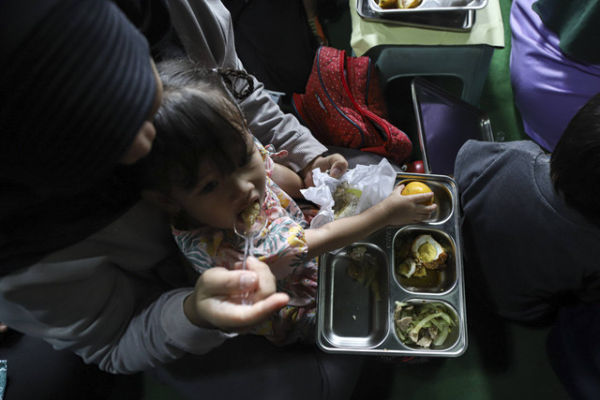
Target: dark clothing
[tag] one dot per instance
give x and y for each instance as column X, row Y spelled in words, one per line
column 274, row 41
column 533, row 252
column 574, row 351
column 70, row 109
column 250, row 367
column 38, row 372
column 576, row 24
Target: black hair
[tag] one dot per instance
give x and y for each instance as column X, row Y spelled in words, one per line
column 198, row 122
column 575, row 162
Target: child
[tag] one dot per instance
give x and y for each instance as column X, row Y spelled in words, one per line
column 205, row 169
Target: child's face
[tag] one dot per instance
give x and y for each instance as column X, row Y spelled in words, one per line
column 217, row 200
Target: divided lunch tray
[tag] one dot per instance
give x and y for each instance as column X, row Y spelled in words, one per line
column 431, row 5
column 459, row 21
column 354, row 316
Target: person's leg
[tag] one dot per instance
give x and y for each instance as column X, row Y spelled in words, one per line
column 251, row 367
column 574, row 351
column 36, row 371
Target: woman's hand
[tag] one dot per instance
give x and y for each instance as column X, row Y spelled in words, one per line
column 215, row 301
column 336, row 164
column 407, row 209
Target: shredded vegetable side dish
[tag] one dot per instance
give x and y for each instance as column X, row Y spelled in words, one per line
column 424, row 325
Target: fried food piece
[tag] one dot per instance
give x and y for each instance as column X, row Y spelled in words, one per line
column 388, row 3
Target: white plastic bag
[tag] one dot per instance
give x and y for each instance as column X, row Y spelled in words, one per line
column 376, row 182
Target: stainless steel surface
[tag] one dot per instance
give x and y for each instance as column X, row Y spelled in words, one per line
column 431, row 6
column 355, row 316
column 458, row 21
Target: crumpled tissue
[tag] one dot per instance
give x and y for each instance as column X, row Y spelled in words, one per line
column 375, row 181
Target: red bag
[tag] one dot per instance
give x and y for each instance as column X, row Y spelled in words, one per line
column 343, row 106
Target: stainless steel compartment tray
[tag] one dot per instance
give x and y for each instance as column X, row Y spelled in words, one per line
column 431, row 6
column 355, row 309
column 459, row 21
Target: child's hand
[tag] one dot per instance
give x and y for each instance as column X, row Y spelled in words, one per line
column 409, row 209
column 215, row 301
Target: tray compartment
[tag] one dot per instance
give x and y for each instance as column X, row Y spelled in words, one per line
column 435, row 280
column 356, row 297
column 441, row 196
column 453, row 335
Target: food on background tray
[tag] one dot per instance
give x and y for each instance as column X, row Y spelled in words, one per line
column 425, row 253
column 250, row 214
column 345, row 200
column 388, row 3
column 364, row 269
column 416, row 187
column 424, row 325
column 398, row 3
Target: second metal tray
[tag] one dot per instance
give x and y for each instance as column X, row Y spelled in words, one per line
column 458, row 21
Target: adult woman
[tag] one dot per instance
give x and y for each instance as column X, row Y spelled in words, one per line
column 86, row 265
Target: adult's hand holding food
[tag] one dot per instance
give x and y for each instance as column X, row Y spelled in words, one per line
column 215, row 301
column 335, row 163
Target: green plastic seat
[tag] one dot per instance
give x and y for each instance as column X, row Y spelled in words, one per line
column 470, row 64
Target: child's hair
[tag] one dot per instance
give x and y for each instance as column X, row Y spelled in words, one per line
column 575, row 162
column 198, row 122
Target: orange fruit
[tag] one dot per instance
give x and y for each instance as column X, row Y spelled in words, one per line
column 415, row 187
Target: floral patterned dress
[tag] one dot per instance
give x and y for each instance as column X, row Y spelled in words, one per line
column 281, row 245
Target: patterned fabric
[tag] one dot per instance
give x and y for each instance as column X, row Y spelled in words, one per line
column 281, row 244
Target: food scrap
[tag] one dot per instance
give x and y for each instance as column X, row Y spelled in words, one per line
column 424, row 325
column 345, row 200
column 364, row 269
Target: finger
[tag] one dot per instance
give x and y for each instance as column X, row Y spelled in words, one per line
column 257, row 266
column 421, row 197
column 400, row 187
column 267, row 284
column 219, row 281
column 339, row 165
column 264, row 308
column 234, row 316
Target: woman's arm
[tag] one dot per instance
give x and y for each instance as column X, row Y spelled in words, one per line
column 117, row 298
column 396, row 209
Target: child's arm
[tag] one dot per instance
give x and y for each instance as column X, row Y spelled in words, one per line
column 396, row 209
column 288, row 180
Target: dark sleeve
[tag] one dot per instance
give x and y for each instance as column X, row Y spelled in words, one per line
column 152, row 18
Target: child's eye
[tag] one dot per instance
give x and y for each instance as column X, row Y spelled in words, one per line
column 209, row 187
